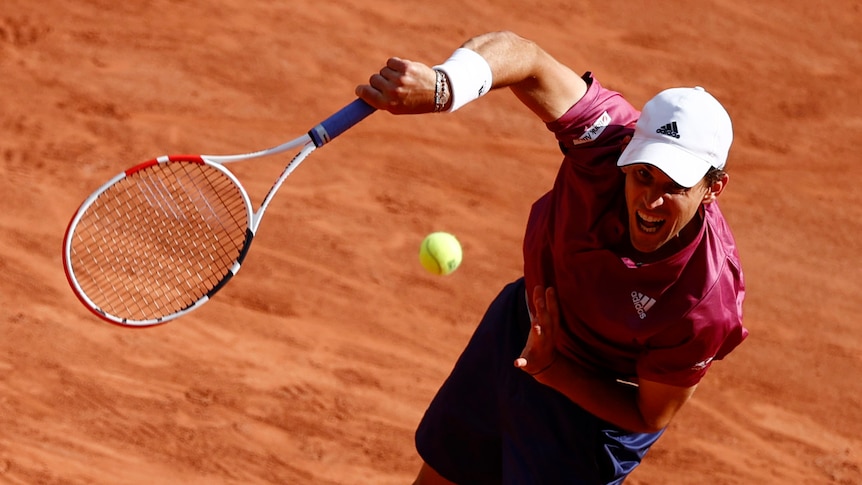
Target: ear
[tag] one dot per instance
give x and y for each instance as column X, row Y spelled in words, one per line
column 715, row 190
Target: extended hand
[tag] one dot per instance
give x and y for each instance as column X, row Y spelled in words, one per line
column 540, row 351
column 402, row 87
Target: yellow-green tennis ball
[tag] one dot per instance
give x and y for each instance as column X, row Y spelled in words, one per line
column 440, row 253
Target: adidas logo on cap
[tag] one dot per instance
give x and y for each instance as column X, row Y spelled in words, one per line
column 669, row 129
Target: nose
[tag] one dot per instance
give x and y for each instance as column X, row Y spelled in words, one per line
column 653, row 199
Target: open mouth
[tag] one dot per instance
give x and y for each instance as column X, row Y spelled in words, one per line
column 647, row 223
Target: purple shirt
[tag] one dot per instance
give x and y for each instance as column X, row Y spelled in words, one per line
column 664, row 321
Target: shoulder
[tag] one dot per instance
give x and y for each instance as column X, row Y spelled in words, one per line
column 600, row 116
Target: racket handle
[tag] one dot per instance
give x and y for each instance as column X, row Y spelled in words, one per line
column 340, row 122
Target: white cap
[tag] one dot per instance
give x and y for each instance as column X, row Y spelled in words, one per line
column 682, row 132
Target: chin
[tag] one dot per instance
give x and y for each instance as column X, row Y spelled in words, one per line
column 647, row 245
column 645, row 249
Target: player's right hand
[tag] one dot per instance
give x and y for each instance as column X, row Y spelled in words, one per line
column 401, row 87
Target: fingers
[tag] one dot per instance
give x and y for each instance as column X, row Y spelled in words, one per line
column 401, row 87
column 547, row 306
column 380, row 92
column 535, row 332
column 370, row 96
column 539, row 299
column 540, row 302
column 539, row 351
column 391, row 76
column 397, row 65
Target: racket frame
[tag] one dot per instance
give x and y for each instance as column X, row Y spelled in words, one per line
column 318, row 136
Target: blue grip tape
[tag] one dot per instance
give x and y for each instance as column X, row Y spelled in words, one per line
column 340, row 122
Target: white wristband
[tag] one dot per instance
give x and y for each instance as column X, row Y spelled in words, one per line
column 469, row 76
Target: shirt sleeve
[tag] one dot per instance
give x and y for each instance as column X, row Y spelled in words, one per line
column 601, row 118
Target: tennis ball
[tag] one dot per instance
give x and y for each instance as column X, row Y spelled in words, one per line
column 440, row 253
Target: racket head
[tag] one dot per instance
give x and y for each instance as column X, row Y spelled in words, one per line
column 158, row 240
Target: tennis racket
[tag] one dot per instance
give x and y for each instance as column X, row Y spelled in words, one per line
column 158, row 240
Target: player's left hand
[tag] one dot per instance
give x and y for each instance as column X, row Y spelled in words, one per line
column 540, row 351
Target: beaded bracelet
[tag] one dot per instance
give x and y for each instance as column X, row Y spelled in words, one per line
column 441, row 91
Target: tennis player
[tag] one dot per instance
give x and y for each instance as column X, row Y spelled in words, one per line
column 632, row 284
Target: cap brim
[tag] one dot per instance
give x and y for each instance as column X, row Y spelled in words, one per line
column 681, row 166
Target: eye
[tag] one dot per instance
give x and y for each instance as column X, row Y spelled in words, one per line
column 643, row 175
column 678, row 189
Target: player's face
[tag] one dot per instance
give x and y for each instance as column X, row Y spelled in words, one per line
column 658, row 207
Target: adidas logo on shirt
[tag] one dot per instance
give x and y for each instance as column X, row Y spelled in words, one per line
column 642, row 303
column 669, row 129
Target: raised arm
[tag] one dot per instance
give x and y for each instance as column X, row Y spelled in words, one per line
column 542, row 83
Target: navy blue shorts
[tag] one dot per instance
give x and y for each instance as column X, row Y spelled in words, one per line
column 493, row 423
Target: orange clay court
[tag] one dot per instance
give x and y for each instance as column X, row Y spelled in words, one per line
column 317, row 361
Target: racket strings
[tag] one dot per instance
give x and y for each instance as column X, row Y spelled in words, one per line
column 160, row 239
